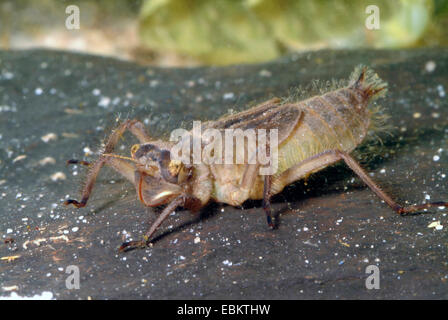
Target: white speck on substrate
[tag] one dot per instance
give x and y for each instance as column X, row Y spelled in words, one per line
column 75, row 229
column 48, row 137
column 197, row 240
column 228, row 96
column 436, row 225
column 87, row 151
column 47, row 160
column 427, row 197
column 38, row 91
column 46, row 295
column 265, row 73
column 7, row 75
column 58, row 176
column 441, row 91
column 96, row 92
column 104, row 102
column 227, row 263
column 417, row 115
column 430, row 66
column 436, row 158
column 8, row 231
column 18, row 158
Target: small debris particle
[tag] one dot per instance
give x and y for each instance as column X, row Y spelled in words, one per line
column 72, row 111
column 10, row 288
column 430, row 66
column 18, row 158
column 265, row 73
column 228, row 96
column 344, row 243
column 417, row 115
column 87, row 151
column 47, row 160
column 9, row 258
column 38, row 91
column 197, row 240
column 227, row 263
column 436, row 158
column 58, row 176
column 69, row 135
column 441, row 91
column 104, row 102
column 436, row 225
column 48, row 137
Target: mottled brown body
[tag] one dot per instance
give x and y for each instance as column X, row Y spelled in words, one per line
column 312, row 134
column 338, row 119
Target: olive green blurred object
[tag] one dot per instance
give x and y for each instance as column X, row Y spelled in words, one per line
column 232, row 31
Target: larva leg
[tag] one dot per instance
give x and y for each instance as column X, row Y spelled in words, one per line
column 81, row 162
column 123, row 167
column 136, row 128
column 267, row 199
column 326, row 158
column 179, row 201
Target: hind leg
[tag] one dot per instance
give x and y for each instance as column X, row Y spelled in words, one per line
column 326, row 158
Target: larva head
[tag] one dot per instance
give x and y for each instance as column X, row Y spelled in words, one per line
column 158, row 179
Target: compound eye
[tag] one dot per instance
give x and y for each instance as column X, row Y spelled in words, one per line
column 134, row 149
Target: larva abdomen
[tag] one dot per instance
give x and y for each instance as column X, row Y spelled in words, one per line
column 338, row 119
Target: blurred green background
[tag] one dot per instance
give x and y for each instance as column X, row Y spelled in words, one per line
column 187, row 32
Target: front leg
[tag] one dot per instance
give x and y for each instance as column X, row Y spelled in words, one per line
column 136, row 128
column 267, row 200
column 177, row 202
column 242, row 192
